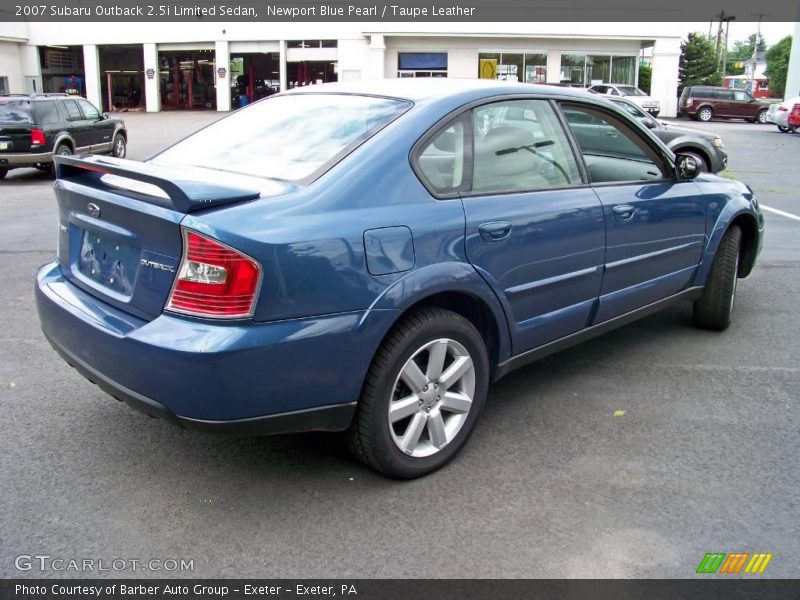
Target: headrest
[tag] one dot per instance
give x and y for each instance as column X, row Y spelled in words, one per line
column 511, row 162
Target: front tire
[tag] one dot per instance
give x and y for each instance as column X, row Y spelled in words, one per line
column 422, row 396
column 714, row 308
column 119, row 148
column 761, row 119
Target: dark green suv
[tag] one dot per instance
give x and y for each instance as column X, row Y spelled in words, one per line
column 34, row 128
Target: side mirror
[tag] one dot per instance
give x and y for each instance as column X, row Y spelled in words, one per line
column 686, row 166
column 649, row 124
column 104, row 116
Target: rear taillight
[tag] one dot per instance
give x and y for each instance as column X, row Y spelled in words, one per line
column 214, row 280
column 782, row 108
column 688, row 102
column 37, row 137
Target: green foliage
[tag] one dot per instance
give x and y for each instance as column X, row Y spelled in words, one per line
column 741, row 52
column 645, row 77
column 778, row 66
column 698, row 63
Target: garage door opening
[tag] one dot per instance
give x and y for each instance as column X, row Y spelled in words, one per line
column 187, row 80
column 122, row 77
column 254, row 75
column 310, row 72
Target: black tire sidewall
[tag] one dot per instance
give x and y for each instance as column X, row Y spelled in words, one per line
column 114, row 143
column 393, row 460
column 61, row 147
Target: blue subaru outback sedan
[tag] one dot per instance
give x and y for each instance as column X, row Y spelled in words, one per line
column 367, row 257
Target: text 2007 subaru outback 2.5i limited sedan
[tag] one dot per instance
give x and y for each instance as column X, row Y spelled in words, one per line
column 369, row 256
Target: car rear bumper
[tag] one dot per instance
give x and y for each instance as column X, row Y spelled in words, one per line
column 236, row 377
column 24, row 159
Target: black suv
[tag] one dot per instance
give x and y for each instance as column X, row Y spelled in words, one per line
column 34, row 128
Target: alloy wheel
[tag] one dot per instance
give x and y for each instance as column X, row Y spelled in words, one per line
column 431, row 398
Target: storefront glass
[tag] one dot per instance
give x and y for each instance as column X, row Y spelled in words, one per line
column 512, row 66
column 598, row 68
column 572, row 68
column 623, row 70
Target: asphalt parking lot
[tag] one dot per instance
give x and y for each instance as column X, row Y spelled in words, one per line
column 552, row 484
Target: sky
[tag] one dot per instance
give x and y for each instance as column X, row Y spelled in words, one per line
column 741, row 30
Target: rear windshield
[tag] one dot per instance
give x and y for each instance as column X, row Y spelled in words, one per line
column 15, row 112
column 286, row 137
column 630, row 90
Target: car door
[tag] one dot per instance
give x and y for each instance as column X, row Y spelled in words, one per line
column 655, row 225
column 534, row 230
column 745, row 105
column 725, row 105
column 78, row 126
column 100, row 130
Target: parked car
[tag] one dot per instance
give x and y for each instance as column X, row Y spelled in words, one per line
column 369, row 256
column 702, row 102
column 778, row 114
column 705, row 147
column 35, row 128
column 632, row 93
column 794, row 117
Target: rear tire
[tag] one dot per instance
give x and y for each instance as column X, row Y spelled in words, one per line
column 705, row 114
column 422, row 396
column 3, row 173
column 714, row 308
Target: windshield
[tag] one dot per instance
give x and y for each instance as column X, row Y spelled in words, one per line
column 629, row 90
column 15, row 112
column 286, row 137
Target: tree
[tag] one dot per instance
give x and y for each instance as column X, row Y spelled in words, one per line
column 741, row 52
column 698, row 63
column 645, row 77
column 778, row 66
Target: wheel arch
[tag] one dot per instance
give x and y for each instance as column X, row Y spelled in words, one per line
column 64, row 138
column 748, row 224
column 457, row 287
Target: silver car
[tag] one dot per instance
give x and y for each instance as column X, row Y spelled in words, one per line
column 778, row 114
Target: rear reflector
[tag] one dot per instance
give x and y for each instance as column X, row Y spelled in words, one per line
column 37, row 137
column 214, row 280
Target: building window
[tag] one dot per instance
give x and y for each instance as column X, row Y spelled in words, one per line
column 3, row 85
column 573, row 66
column 311, row 43
column 623, row 70
column 579, row 69
column 598, row 69
column 529, row 67
column 422, row 64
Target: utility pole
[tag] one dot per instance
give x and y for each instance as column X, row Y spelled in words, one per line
column 721, row 17
column 725, row 47
column 751, row 79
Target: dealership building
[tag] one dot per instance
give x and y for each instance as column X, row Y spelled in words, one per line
column 200, row 64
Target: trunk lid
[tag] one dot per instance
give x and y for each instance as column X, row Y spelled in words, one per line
column 119, row 230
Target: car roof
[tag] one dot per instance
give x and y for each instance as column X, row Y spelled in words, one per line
column 415, row 89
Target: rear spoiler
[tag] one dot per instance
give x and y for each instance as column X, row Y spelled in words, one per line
column 186, row 191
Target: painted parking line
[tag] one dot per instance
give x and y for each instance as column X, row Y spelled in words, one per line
column 780, row 212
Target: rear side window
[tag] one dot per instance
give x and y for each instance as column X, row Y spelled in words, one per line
column 443, row 160
column 15, row 112
column 73, row 112
column 290, row 137
column 47, row 114
column 612, row 151
column 520, row 145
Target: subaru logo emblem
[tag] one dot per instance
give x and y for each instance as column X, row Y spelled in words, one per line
column 93, row 210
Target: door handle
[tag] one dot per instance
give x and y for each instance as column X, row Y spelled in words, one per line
column 623, row 212
column 495, row 231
